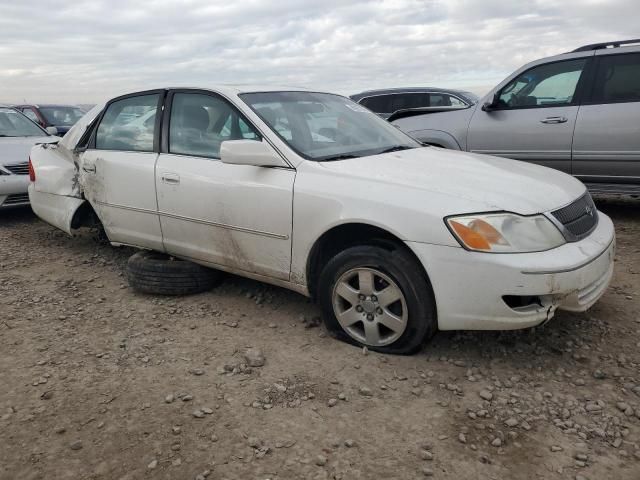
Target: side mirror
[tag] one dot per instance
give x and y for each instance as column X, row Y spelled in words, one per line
column 491, row 105
column 249, row 152
column 52, row 130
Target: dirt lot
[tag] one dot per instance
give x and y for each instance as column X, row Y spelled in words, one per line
column 99, row 382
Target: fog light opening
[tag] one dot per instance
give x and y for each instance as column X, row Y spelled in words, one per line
column 522, row 302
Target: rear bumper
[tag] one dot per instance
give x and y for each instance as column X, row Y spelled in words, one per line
column 57, row 210
column 13, row 189
column 472, row 289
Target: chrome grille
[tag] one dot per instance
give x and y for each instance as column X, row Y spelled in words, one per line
column 18, row 168
column 16, row 199
column 578, row 218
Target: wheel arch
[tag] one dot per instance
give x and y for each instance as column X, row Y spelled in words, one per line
column 345, row 235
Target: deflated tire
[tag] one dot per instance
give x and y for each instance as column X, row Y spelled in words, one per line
column 159, row 274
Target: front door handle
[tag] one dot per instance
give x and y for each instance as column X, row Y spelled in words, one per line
column 171, row 178
column 91, row 168
column 554, row 120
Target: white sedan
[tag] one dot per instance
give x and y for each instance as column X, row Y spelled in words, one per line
column 314, row 193
column 17, row 135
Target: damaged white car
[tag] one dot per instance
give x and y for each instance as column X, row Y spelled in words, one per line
column 314, row 193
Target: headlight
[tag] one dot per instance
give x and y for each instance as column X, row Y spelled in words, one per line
column 505, row 232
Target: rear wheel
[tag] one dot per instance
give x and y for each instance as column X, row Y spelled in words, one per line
column 159, row 274
column 378, row 298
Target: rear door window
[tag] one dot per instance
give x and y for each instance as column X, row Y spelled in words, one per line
column 129, row 124
column 617, row 79
column 379, row 103
column 404, row 101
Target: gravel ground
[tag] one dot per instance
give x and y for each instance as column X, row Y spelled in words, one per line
column 100, row 382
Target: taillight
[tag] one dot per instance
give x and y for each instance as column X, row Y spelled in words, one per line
column 32, row 172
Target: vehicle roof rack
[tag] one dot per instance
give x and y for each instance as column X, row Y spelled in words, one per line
column 601, row 46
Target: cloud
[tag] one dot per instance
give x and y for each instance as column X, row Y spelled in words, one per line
column 70, row 51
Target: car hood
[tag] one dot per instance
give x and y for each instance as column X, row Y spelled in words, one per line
column 16, row 149
column 485, row 182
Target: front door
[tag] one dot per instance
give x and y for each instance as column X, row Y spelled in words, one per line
column 118, row 170
column 234, row 216
column 534, row 118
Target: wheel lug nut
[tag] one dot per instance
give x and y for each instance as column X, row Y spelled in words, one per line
column 374, row 298
column 369, row 316
column 361, row 297
column 379, row 311
column 358, row 308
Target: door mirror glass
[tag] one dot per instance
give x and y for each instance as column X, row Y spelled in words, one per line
column 249, row 152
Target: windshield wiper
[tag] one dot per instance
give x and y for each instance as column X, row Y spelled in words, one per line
column 395, row 148
column 342, row 156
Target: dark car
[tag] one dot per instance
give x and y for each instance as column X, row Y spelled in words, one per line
column 385, row 102
column 63, row 117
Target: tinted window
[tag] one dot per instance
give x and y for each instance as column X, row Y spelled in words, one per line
column 126, row 125
column 618, row 79
column 200, row 123
column 405, row 101
column 379, row 103
column 553, row 84
column 64, row 116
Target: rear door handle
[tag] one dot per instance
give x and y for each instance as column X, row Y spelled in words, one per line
column 554, row 120
column 171, row 178
column 91, row 168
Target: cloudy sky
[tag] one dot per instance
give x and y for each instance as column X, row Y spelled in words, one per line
column 86, row 51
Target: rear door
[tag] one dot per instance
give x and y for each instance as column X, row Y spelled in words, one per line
column 535, row 116
column 118, row 170
column 606, row 145
column 233, row 216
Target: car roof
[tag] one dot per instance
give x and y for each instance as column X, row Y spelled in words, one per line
column 384, row 91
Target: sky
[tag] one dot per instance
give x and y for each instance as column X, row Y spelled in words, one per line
column 88, row 51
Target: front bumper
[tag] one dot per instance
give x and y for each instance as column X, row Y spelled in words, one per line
column 471, row 287
column 13, row 190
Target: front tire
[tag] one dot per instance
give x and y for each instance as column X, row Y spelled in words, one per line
column 377, row 298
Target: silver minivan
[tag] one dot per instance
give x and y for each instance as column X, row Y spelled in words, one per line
column 578, row 112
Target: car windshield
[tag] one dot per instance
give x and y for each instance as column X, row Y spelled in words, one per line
column 14, row 124
column 323, row 126
column 63, row 116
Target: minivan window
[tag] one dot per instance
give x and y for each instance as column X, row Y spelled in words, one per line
column 126, row 124
column 617, row 79
column 200, row 123
column 62, row 116
column 548, row 85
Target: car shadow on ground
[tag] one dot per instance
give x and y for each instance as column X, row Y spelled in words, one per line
column 619, row 208
column 17, row 216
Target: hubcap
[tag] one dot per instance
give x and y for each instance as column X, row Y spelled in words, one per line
column 370, row 307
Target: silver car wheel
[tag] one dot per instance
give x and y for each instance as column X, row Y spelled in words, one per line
column 370, row 307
